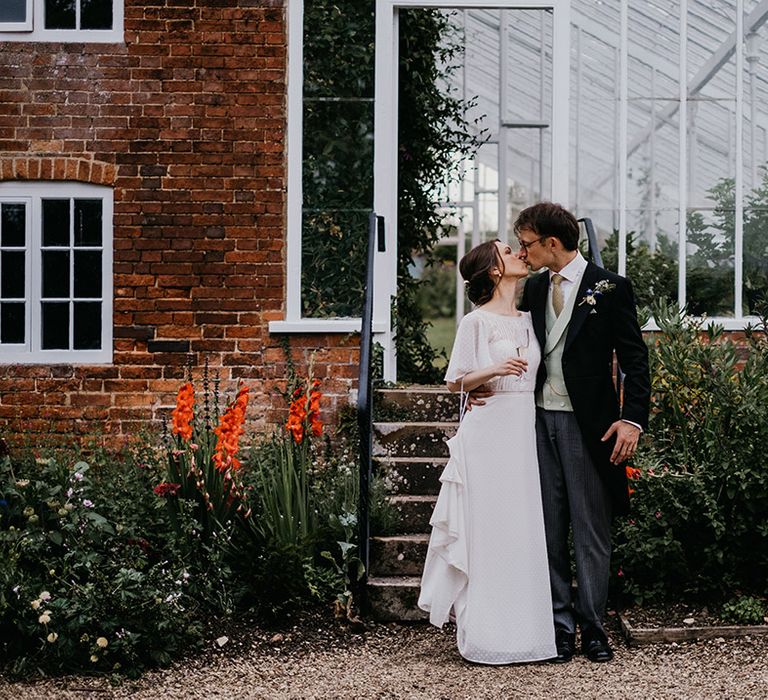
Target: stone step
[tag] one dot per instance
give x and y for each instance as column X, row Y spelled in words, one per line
column 414, row 513
column 416, row 403
column 394, row 598
column 412, row 475
column 398, row 555
column 412, row 439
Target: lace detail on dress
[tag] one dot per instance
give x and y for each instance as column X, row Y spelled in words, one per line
column 485, row 338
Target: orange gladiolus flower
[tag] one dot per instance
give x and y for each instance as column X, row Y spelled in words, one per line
column 633, row 472
column 183, row 414
column 228, row 432
column 304, row 414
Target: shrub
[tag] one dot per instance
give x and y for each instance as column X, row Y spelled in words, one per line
column 745, row 610
column 699, row 526
column 88, row 581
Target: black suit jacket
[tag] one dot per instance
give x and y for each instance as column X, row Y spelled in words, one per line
column 593, row 335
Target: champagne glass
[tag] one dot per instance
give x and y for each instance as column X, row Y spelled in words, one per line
column 522, row 348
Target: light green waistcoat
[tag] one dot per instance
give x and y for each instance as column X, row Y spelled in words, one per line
column 553, row 396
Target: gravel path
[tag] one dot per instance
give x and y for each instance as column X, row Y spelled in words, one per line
column 394, row 661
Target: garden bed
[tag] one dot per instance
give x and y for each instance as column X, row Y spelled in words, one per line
column 680, row 623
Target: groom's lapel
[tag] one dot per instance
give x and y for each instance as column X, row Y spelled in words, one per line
column 582, row 310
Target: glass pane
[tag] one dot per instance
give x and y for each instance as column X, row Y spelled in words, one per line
column 345, row 39
column 12, row 224
column 529, row 66
column 11, row 323
column 55, row 326
column 338, row 155
column 653, row 171
column 55, row 274
column 87, row 334
column 12, row 275
column 527, row 181
column 55, row 222
column 710, row 252
column 95, row 14
column 755, row 286
column 87, row 222
column 333, row 263
column 88, row 274
column 653, row 46
column 755, row 151
column 13, row 11
column 60, row 14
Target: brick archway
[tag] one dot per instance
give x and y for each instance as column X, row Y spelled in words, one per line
column 68, row 168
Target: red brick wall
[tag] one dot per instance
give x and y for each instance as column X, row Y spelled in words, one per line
column 187, row 121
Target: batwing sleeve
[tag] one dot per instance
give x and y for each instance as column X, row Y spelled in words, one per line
column 470, row 349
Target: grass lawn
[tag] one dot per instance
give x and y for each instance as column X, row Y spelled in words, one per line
column 441, row 333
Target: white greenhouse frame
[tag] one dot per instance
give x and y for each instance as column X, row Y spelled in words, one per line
column 572, row 22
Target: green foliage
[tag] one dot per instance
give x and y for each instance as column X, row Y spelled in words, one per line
column 699, row 526
column 653, row 273
column 90, row 579
column 745, row 610
column 114, row 565
column 434, row 136
column 437, row 292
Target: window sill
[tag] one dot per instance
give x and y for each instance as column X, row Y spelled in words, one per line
column 322, row 325
column 727, row 322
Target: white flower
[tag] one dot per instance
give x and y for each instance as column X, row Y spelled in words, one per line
column 21, row 483
column 87, row 503
column 52, row 637
column 45, row 618
column 45, row 595
column 102, row 642
column 35, row 604
column 94, row 658
column 77, row 476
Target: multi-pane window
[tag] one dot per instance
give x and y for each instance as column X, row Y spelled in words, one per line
column 61, row 20
column 55, row 273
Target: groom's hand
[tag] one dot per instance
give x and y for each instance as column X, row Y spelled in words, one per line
column 476, row 396
column 627, row 436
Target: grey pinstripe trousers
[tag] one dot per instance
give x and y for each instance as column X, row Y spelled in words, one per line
column 574, row 498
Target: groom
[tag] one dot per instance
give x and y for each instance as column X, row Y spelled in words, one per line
column 581, row 315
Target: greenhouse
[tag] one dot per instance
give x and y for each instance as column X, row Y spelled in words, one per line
column 646, row 117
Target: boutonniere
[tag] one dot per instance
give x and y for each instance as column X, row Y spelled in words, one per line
column 592, row 295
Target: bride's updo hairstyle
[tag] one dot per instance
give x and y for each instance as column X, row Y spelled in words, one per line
column 475, row 268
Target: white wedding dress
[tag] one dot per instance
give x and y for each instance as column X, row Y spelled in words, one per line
column 487, row 556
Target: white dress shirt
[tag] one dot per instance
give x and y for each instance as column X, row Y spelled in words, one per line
column 571, row 275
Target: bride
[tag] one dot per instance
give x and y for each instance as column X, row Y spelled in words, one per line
column 487, row 554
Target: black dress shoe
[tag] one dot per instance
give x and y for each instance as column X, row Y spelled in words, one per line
column 597, row 650
column 565, row 643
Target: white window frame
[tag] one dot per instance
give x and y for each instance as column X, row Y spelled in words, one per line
column 294, row 322
column 32, row 193
column 33, row 29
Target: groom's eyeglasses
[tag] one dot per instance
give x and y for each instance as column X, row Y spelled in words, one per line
column 524, row 246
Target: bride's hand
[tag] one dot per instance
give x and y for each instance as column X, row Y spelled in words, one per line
column 512, row 365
